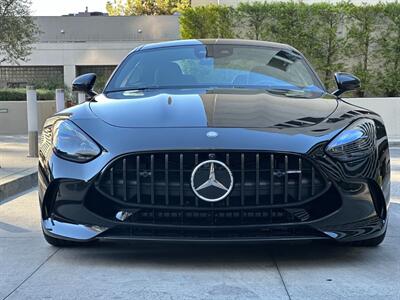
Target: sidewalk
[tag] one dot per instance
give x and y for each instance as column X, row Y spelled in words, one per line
column 18, row 172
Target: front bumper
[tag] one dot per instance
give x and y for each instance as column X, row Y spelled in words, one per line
column 357, row 211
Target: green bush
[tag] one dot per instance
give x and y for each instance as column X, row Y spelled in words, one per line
column 20, row 94
column 364, row 40
column 208, row 21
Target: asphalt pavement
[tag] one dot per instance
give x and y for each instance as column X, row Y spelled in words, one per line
column 31, row 269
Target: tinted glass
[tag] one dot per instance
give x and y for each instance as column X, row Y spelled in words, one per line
column 211, row 66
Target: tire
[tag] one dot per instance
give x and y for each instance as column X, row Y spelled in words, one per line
column 61, row 242
column 376, row 241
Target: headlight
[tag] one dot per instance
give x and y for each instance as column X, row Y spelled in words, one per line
column 71, row 143
column 355, row 142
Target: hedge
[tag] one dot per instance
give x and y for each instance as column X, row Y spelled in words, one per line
column 364, row 40
column 20, row 94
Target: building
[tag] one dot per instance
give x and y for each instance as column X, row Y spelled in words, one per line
column 72, row 45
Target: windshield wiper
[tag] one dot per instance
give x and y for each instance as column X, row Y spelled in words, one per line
column 291, row 92
column 159, row 87
column 145, row 88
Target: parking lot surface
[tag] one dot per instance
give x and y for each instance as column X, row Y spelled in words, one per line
column 31, row 269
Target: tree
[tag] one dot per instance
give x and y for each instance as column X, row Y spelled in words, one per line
column 328, row 45
column 17, row 30
column 145, row 7
column 290, row 24
column 211, row 21
column 388, row 77
column 362, row 39
column 255, row 16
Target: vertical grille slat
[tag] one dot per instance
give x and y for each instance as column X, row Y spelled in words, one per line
column 112, row 182
column 242, row 179
column 124, row 181
column 181, row 178
column 166, row 174
column 196, row 162
column 227, row 161
column 300, row 183
column 312, row 181
column 138, row 192
column 257, row 179
column 286, row 187
column 152, row 178
column 271, row 180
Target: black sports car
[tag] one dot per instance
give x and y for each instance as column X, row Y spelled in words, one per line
column 214, row 140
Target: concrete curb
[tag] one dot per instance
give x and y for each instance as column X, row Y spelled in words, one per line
column 18, row 183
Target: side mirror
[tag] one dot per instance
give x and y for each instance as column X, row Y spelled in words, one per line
column 85, row 83
column 346, row 82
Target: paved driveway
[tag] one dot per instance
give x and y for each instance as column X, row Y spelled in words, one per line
column 30, row 269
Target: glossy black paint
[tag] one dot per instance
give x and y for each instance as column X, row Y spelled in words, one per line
column 251, row 120
column 346, row 82
column 85, row 84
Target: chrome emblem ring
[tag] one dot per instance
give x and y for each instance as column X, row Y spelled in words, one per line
column 212, row 180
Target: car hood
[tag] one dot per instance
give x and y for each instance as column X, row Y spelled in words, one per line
column 229, row 109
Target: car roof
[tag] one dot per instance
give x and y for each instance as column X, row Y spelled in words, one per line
column 214, row 42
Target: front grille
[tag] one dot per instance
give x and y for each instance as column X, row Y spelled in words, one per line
column 156, row 189
column 163, row 179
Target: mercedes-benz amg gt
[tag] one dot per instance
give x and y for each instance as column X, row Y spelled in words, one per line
column 214, row 140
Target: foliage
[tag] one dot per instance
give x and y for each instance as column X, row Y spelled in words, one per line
column 145, row 7
column 18, row 30
column 328, row 44
column 51, row 83
column 20, row 94
column 388, row 75
column 208, row 21
column 362, row 39
column 100, row 82
column 255, row 16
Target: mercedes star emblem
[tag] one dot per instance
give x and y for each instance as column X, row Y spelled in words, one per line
column 212, row 134
column 212, row 180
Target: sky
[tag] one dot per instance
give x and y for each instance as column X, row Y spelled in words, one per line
column 63, row 7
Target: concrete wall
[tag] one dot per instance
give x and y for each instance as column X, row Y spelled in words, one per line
column 69, row 29
column 14, row 121
column 13, row 115
column 85, row 41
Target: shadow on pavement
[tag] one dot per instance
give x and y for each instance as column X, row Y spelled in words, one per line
column 181, row 255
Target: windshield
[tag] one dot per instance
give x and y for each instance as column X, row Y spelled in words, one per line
column 215, row 66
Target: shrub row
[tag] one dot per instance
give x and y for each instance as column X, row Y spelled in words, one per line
column 20, row 94
column 364, row 40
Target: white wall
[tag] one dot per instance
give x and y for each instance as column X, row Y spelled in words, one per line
column 387, row 108
column 14, row 122
column 79, row 41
